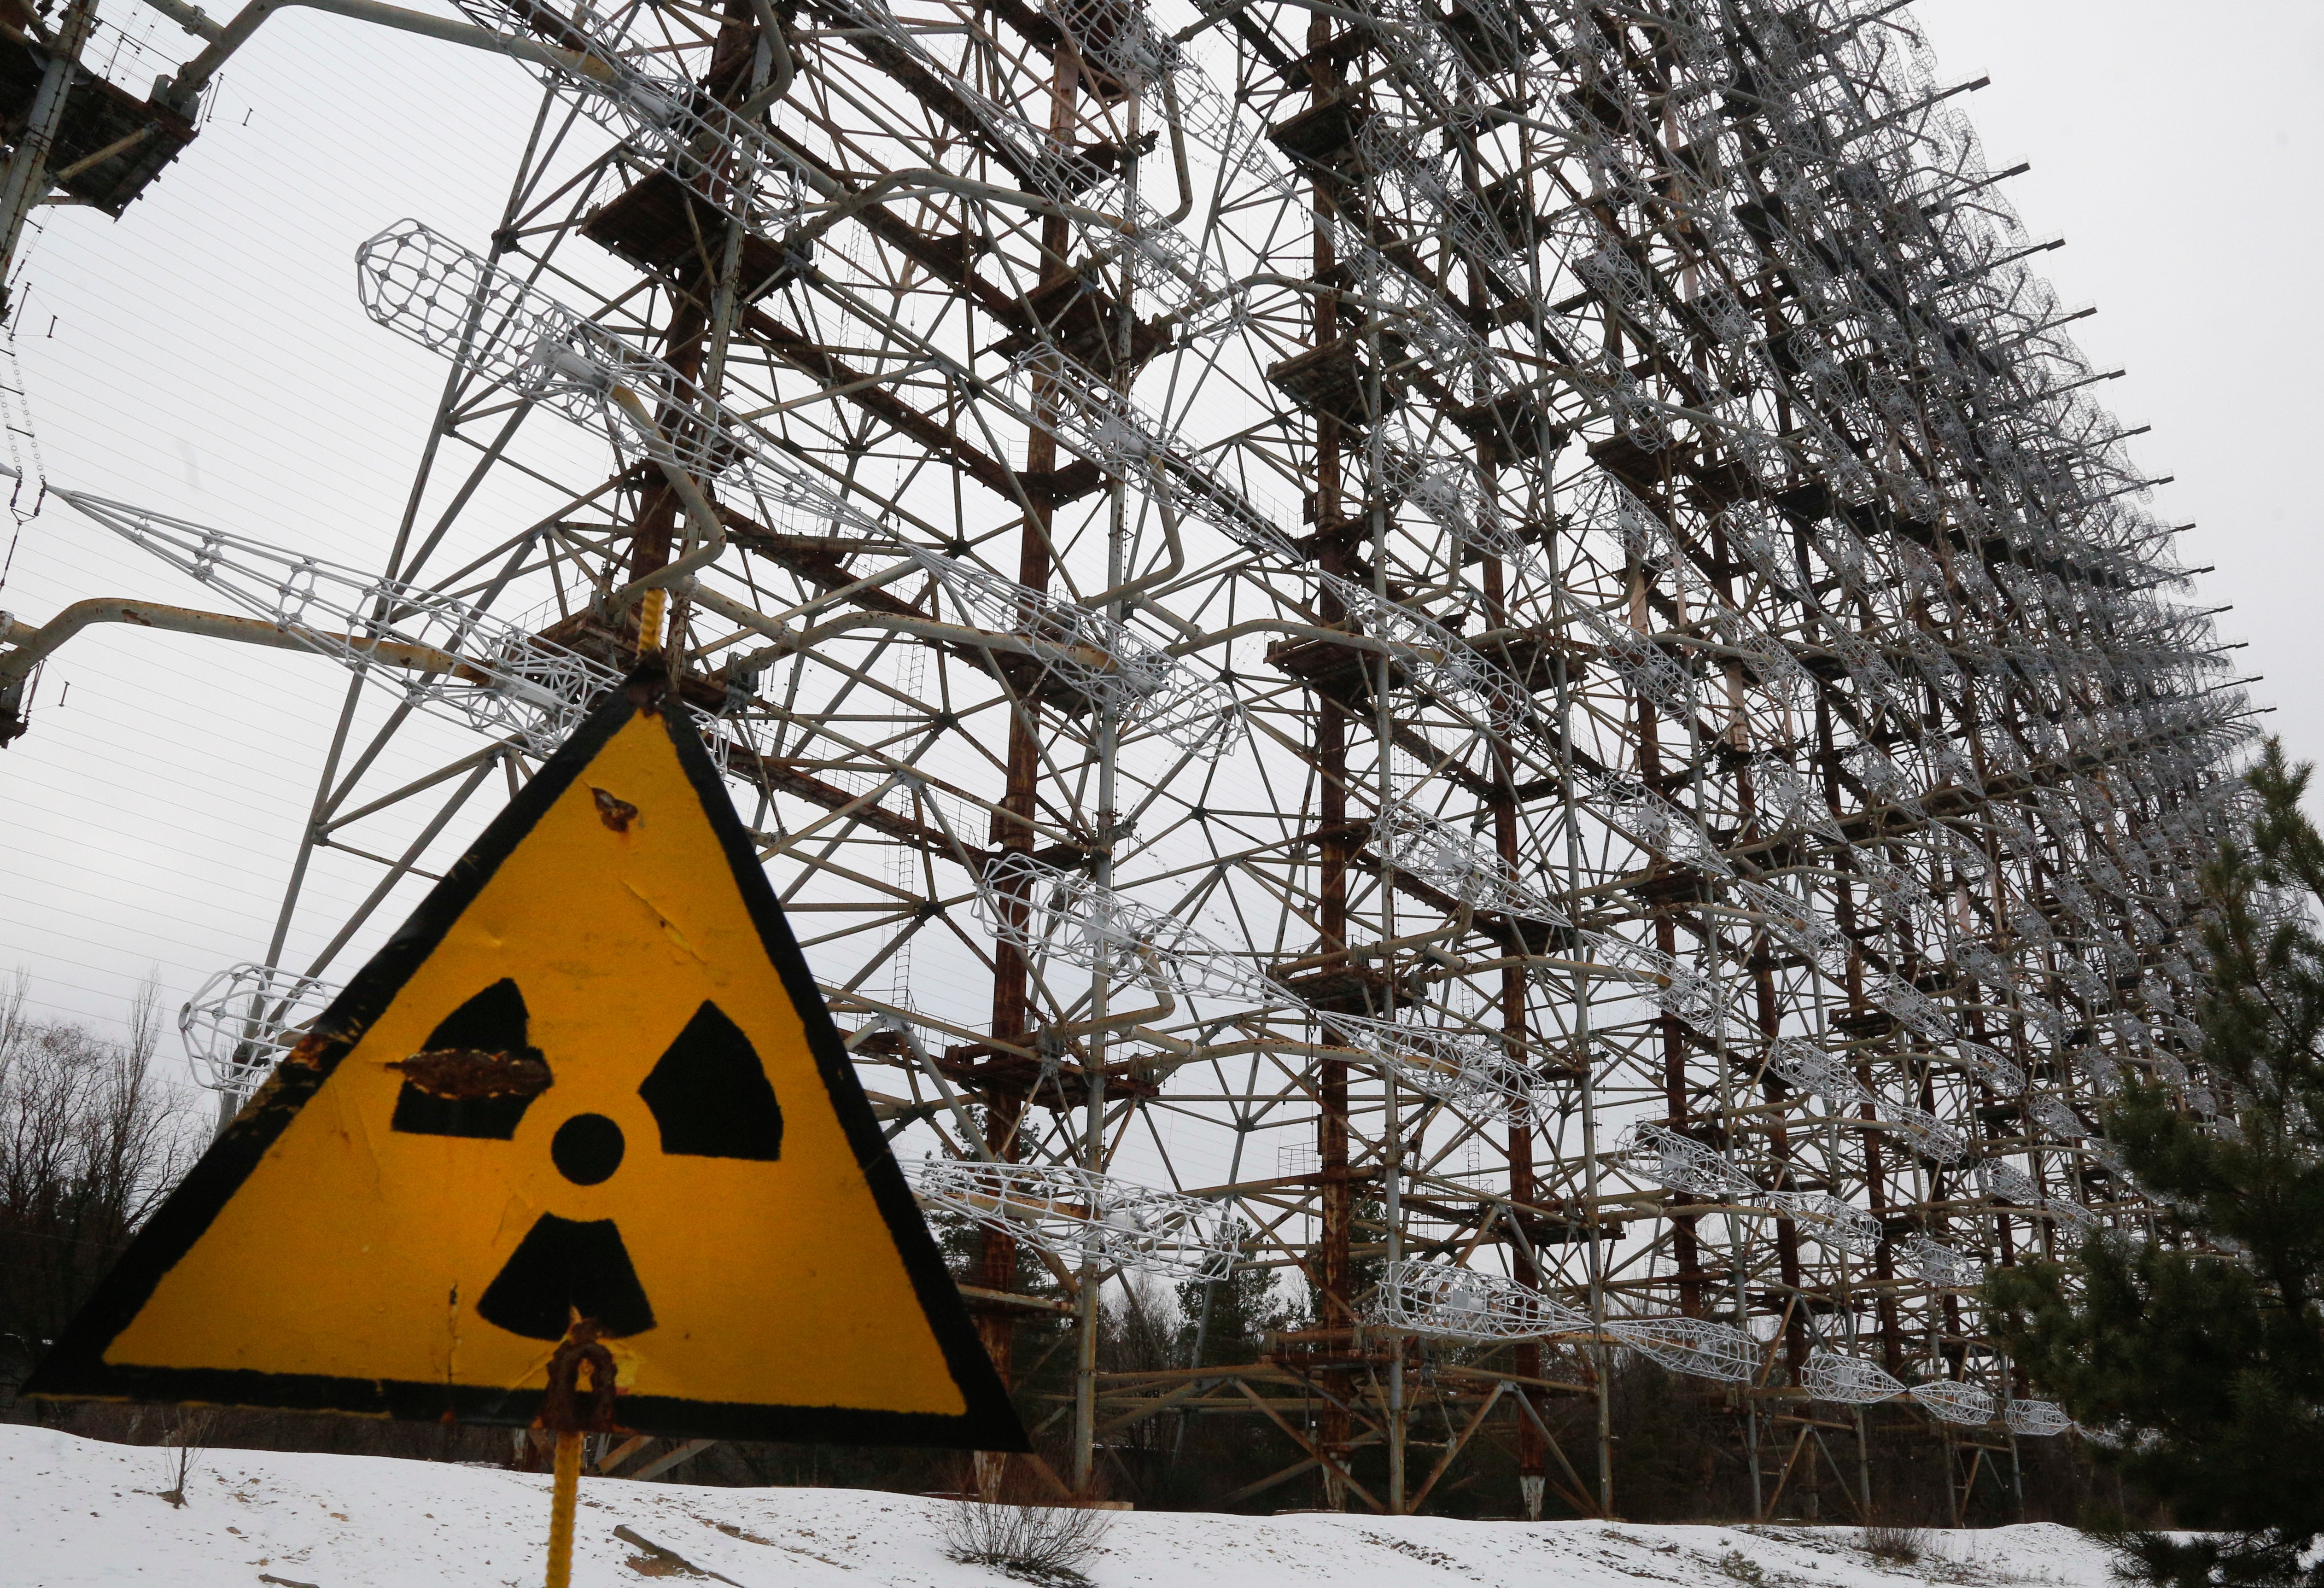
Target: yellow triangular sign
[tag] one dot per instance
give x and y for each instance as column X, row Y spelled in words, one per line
column 591, row 1076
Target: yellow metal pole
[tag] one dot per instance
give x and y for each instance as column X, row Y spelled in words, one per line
column 566, row 1414
column 560, row 1510
column 649, row 622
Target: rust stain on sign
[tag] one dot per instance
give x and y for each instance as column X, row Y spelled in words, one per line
column 466, row 1072
column 615, row 813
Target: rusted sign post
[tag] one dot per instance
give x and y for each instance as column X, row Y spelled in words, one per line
column 567, row 1414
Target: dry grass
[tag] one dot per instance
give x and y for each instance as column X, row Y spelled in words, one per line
column 1895, row 1545
column 1041, row 1543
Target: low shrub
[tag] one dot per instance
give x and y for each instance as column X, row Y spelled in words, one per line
column 1895, row 1545
column 1040, row 1543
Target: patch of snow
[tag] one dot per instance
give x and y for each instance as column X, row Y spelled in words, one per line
column 78, row 1511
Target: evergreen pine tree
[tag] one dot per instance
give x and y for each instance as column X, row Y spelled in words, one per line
column 2203, row 1374
column 1242, row 1309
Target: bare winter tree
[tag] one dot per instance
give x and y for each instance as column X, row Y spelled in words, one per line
column 92, row 1137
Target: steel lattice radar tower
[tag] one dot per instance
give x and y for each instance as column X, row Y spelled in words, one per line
column 1493, row 654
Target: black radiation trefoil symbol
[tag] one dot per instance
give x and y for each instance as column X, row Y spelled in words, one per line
column 476, row 1076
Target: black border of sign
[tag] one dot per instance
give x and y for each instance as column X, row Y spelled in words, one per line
column 75, row 1366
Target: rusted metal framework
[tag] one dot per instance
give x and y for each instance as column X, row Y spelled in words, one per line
column 1499, row 647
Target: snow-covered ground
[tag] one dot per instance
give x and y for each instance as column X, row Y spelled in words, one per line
column 76, row 1511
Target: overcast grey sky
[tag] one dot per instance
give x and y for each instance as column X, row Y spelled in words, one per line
column 2176, row 148
column 205, row 355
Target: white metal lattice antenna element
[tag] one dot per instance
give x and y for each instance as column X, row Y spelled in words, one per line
column 653, row 109
column 1953, row 1401
column 2002, row 1076
column 1075, row 919
column 441, row 655
column 453, row 660
column 1434, row 657
column 1812, row 1069
column 1931, row 1134
column 1468, row 1069
column 1894, row 887
column 2066, row 1211
column 1684, row 1164
column 1453, row 1303
column 2036, row 1419
column 1439, row 855
column 2007, row 1183
column 1913, row 1009
column 728, row 161
column 1823, row 1217
column 1670, row 985
column 242, row 1021
column 1086, row 924
column 1089, row 415
column 1076, row 1214
column 1097, row 655
column 1044, row 910
column 430, row 290
column 1941, row 1265
column 1445, row 491
column 1443, row 343
column 1791, row 922
column 1789, row 794
column 1654, row 823
column 1850, row 1381
column 1788, row 684
column 2060, row 1119
column 1693, row 1346
column 1985, row 966
column 1640, row 662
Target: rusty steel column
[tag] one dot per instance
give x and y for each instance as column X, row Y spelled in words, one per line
column 1013, row 822
column 684, row 343
column 1334, row 1312
column 1532, row 1450
column 1685, row 1246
